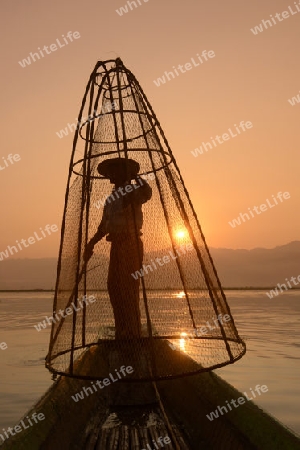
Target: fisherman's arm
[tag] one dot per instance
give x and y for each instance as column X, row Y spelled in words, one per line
column 146, row 191
column 100, row 233
column 140, row 193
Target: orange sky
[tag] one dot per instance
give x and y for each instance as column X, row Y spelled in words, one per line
column 250, row 78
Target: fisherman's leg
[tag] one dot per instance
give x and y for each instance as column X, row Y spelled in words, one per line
column 135, row 256
column 138, row 262
column 123, row 289
column 114, row 284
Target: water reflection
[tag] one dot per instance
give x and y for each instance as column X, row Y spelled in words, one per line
column 182, row 342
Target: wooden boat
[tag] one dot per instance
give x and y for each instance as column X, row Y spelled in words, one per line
column 145, row 412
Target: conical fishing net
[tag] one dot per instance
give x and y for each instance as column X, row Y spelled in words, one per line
column 136, row 285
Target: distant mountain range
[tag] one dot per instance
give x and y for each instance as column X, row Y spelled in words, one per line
column 258, row 267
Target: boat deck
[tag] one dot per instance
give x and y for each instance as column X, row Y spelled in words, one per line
column 133, row 429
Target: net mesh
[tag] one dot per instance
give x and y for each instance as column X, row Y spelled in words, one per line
column 149, row 295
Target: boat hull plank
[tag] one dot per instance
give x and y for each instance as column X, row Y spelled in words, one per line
column 190, row 399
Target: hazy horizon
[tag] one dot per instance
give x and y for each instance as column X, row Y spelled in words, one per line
column 236, row 268
column 16, row 256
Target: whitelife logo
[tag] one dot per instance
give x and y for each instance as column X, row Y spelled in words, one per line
column 18, row 428
column 11, row 158
column 259, row 209
column 124, row 9
column 31, row 240
column 128, row 188
column 202, row 330
column 294, row 100
column 106, row 108
column 241, row 400
column 162, row 261
column 161, row 441
column 3, row 345
column 188, row 66
column 106, row 381
column 273, row 293
column 53, row 48
column 68, row 311
column 284, row 15
column 244, row 126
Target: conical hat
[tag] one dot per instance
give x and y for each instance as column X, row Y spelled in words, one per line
column 107, row 167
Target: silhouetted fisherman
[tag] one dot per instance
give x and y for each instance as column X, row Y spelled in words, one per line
column 122, row 221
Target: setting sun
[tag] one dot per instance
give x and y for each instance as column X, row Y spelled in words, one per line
column 180, row 234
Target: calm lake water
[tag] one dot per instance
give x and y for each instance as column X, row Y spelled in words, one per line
column 270, row 327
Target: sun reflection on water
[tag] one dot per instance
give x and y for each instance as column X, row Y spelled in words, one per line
column 182, row 342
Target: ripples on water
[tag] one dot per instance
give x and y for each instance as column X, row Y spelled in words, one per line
column 270, row 327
